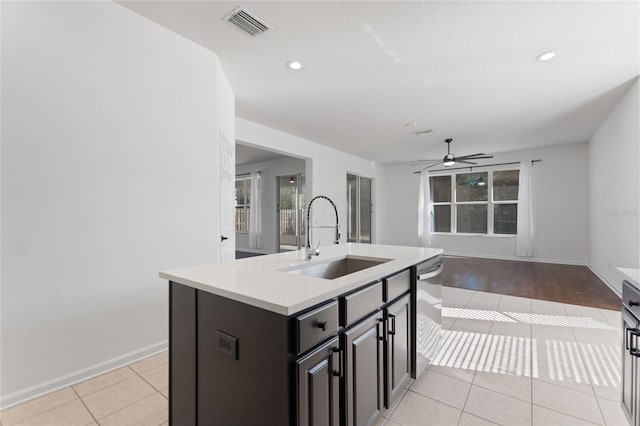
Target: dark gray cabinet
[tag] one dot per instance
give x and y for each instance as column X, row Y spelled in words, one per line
column 398, row 351
column 318, row 386
column 364, row 384
column 629, row 367
column 338, row 363
column 630, row 352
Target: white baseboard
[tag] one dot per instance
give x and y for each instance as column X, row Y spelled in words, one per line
column 604, row 280
column 40, row 389
column 516, row 258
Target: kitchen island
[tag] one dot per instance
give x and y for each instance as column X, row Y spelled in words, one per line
column 283, row 340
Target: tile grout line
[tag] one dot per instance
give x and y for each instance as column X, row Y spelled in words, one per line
column 127, row 406
column 134, row 402
column 433, row 399
column 147, row 382
column 582, row 359
column 595, row 395
column 102, row 388
column 531, row 355
column 85, row 406
column 466, row 397
column 396, row 404
column 43, row 412
column 565, row 414
column 81, row 397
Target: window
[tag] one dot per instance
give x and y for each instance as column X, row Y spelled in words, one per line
column 475, row 202
column 243, row 203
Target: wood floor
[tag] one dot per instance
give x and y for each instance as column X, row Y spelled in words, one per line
column 546, row 281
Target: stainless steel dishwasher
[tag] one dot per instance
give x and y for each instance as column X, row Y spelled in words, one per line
column 428, row 305
column 630, row 352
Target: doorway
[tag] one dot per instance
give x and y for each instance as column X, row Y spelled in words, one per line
column 290, row 217
column 257, row 220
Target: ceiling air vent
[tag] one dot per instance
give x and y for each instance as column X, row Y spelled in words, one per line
column 248, row 23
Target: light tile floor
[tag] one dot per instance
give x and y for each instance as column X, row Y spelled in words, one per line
column 516, row 361
column 504, row 360
column 134, row 395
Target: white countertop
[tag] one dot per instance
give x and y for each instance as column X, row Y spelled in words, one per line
column 631, row 275
column 260, row 281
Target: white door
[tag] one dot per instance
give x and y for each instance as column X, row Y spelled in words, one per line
column 227, row 173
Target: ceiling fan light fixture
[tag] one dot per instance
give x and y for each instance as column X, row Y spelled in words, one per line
column 481, row 182
column 294, row 65
column 448, row 160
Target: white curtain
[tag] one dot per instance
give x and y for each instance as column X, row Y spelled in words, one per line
column 425, row 210
column 525, row 236
column 255, row 211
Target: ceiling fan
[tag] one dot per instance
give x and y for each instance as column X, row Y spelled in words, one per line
column 450, row 159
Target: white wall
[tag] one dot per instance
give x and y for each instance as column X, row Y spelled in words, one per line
column 561, row 201
column 270, row 170
column 109, row 174
column 614, row 183
column 326, row 171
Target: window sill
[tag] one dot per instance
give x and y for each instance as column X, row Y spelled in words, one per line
column 457, row 234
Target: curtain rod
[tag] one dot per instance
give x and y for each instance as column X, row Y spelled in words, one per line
column 484, row 165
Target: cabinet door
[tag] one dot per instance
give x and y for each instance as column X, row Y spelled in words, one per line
column 364, row 346
column 318, row 382
column 398, row 347
column 629, row 368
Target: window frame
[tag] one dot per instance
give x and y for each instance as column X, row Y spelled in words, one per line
column 490, row 203
column 246, row 178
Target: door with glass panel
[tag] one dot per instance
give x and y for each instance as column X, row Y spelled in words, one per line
column 358, row 209
column 290, row 217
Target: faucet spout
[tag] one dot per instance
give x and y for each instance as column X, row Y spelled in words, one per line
column 316, row 252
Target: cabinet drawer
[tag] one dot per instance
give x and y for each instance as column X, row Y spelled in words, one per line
column 397, row 285
column 360, row 303
column 630, row 295
column 315, row 326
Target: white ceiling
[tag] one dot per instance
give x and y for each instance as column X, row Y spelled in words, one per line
column 467, row 70
column 246, row 155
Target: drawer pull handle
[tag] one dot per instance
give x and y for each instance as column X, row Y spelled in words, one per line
column 630, row 334
column 392, row 323
column 632, row 303
column 380, row 334
column 322, row 325
column 338, row 372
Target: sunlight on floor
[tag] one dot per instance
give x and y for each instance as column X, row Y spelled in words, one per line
column 526, row 318
column 555, row 359
column 478, row 314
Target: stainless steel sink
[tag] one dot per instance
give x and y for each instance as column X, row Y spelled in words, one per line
column 338, row 268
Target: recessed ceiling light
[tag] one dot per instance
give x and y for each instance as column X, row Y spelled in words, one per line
column 295, row 65
column 546, row 56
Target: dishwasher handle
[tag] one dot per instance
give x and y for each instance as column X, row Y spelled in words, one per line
column 431, row 273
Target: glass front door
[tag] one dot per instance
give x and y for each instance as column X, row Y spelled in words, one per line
column 290, row 215
column 358, row 209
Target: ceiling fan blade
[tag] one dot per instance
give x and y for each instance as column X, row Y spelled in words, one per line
column 464, row 161
column 464, row 157
column 430, row 166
